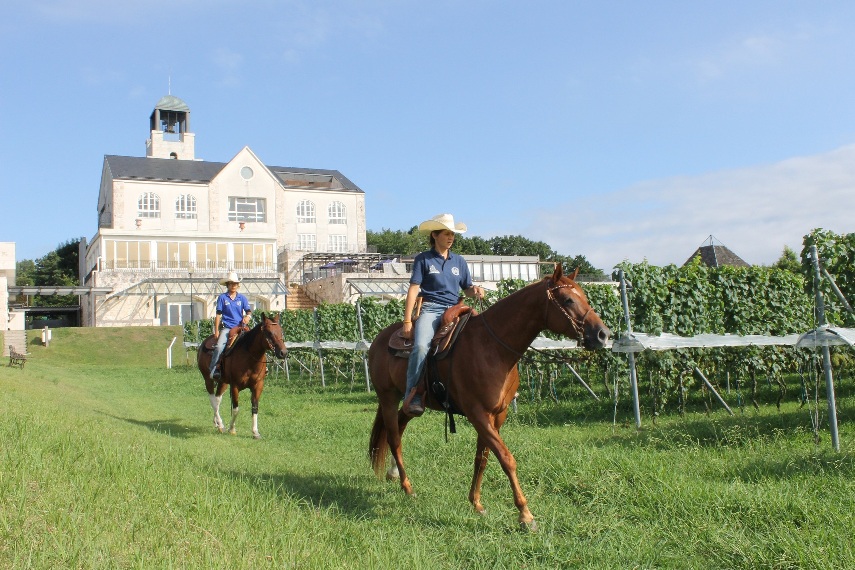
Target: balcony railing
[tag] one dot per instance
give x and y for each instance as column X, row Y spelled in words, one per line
column 184, row 266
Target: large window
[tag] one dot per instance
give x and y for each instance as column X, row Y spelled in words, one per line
column 127, row 254
column 337, row 213
column 173, row 254
column 338, row 244
column 148, row 205
column 212, row 255
column 253, row 256
column 185, row 207
column 307, row 242
column 306, row 212
column 247, row 209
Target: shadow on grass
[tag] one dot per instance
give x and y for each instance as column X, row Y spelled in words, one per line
column 171, row 427
column 317, row 492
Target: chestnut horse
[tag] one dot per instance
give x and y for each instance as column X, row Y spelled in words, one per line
column 481, row 375
column 245, row 366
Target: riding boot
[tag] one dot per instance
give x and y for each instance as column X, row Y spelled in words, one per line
column 215, row 371
column 413, row 403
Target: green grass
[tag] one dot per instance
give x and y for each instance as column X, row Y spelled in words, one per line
column 108, row 460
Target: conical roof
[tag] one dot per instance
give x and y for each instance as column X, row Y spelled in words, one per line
column 715, row 254
column 172, row 103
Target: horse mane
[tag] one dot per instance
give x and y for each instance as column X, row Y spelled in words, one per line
column 249, row 337
column 518, row 292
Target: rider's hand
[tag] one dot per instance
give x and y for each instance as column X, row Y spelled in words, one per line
column 407, row 330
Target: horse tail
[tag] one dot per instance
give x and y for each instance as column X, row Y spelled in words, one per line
column 379, row 446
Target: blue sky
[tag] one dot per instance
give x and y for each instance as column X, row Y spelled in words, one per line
column 612, row 129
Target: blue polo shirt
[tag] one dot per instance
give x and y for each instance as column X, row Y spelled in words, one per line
column 232, row 310
column 440, row 279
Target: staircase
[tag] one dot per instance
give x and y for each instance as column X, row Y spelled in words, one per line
column 18, row 339
column 297, row 299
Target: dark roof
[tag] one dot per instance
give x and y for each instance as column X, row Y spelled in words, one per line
column 142, row 168
column 717, row 256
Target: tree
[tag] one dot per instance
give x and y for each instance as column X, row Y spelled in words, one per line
column 59, row 267
column 25, row 272
column 788, row 261
column 397, row 242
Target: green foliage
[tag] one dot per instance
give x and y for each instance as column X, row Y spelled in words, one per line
column 25, row 272
column 837, row 252
column 788, row 261
column 59, row 267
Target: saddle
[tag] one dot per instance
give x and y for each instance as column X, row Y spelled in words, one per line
column 451, row 323
column 210, row 343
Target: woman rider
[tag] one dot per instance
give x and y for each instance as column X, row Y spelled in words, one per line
column 438, row 277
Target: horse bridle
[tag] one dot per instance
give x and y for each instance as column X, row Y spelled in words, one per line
column 577, row 325
column 267, row 335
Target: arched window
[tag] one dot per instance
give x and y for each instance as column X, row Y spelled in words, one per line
column 148, row 205
column 306, row 212
column 185, row 207
column 337, row 213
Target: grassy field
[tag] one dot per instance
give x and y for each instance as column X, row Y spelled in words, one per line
column 108, row 460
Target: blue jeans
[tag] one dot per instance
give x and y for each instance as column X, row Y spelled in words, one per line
column 424, row 328
column 221, row 346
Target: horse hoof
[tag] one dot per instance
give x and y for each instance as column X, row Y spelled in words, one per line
column 232, row 432
column 530, row 526
column 256, row 436
column 392, row 473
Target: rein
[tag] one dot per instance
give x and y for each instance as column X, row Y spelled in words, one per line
column 577, row 326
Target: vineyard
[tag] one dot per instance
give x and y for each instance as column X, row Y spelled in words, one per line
column 690, row 300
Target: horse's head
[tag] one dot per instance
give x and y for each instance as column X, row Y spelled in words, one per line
column 568, row 311
column 273, row 334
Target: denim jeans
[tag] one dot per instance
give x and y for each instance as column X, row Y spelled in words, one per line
column 424, row 328
column 221, row 346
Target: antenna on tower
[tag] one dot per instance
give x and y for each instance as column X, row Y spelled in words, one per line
column 170, row 85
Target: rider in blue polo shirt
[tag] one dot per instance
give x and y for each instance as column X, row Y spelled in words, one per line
column 438, row 277
column 232, row 310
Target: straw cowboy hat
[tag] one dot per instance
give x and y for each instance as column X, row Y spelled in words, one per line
column 442, row 222
column 232, row 277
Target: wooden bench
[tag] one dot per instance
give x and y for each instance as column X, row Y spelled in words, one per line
column 16, row 358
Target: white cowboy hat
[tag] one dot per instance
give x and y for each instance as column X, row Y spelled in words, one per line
column 442, row 222
column 232, row 277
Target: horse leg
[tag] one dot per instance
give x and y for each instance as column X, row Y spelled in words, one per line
column 255, row 397
column 490, row 435
column 235, row 410
column 216, row 398
column 395, row 423
column 482, row 453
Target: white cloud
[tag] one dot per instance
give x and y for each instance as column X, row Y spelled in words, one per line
column 754, row 211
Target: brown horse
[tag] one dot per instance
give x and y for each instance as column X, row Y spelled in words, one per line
column 481, row 374
column 245, row 366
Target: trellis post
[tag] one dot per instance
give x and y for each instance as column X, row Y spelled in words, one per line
column 633, row 375
column 362, row 338
column 826, row 352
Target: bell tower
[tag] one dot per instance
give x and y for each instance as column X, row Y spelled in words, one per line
column 170, row 131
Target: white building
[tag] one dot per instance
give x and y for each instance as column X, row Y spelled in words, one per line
column 170, row 226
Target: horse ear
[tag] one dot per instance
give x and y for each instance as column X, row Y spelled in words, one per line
column 556, row 275
column 575, row 273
